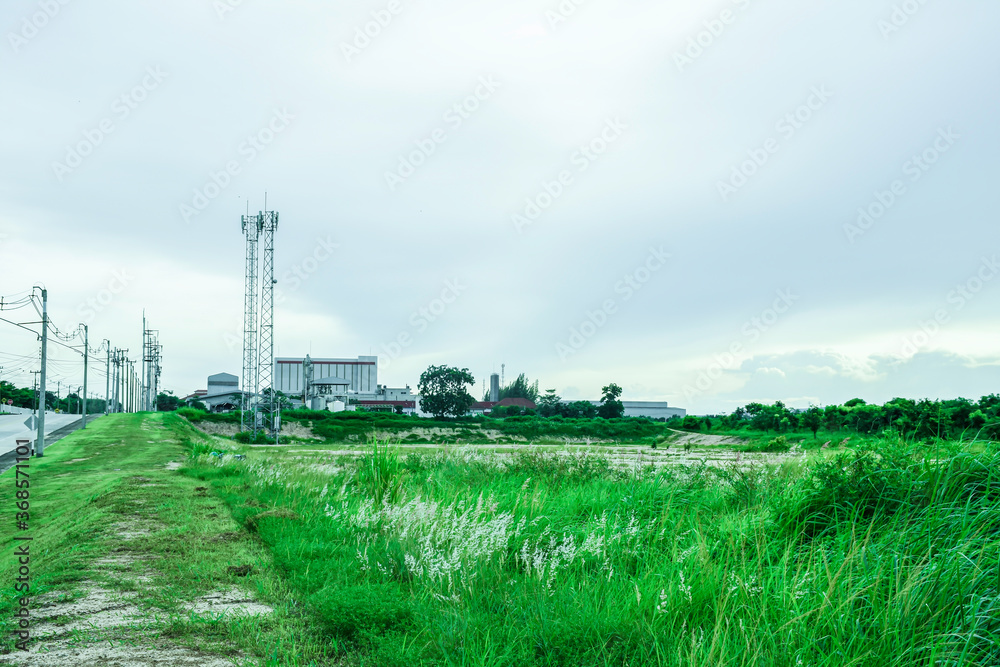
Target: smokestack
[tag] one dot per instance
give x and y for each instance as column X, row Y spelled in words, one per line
column 495, row 388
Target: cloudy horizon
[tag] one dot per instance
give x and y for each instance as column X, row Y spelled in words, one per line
column 706, row 204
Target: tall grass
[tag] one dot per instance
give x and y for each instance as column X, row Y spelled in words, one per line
column 884, row 556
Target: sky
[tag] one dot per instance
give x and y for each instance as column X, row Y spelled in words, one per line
column 707, row 203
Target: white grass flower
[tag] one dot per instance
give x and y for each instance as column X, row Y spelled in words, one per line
column 685, row 588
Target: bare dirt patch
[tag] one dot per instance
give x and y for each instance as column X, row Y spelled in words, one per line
column 683, row 438
column 215, row 428
column 233, row 601
column 66, row 654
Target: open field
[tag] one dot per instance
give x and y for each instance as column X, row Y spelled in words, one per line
column 502, row 554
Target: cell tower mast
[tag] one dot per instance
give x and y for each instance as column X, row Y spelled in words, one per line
column 248, row 410
column 268, row 405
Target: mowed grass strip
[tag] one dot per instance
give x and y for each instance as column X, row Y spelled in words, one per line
column 133, row 559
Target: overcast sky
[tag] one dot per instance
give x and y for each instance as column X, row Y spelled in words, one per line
column 664, row 195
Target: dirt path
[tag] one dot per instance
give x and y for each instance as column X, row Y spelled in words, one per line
column 141, row 565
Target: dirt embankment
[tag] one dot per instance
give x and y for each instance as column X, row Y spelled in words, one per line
column 683, row 438
column 226, row 430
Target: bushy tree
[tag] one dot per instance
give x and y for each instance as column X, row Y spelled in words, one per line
column 611, row 407
column 167, row 402
column 443, row 391
column 813, row 419
column 548, row 405
column 521, row 387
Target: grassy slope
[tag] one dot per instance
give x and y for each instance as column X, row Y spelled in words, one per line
column 95, row 494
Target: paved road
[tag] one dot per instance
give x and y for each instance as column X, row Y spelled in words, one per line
column 12, row 429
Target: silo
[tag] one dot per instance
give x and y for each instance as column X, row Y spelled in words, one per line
column 495, row 388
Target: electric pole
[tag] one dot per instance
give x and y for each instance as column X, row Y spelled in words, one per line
column 117, row 384
column 86, row 358
column 40, row 444
column 107, row 381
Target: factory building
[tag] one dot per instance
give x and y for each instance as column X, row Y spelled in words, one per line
column 359, row 375
column 340, row 384
column 223, row 393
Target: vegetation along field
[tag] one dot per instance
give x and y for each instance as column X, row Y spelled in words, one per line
column 791, row 549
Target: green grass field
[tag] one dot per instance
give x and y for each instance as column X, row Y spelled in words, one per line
column 878, row 554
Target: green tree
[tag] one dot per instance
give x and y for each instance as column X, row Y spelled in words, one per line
column 521, row 387
column 579, row 409
column 443, row 391
column 611, row 407
column 813, row 419
column 167, row 402
column 548, row 405
column 691, row 423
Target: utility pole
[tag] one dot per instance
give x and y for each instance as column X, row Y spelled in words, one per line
column 86, row 358
column 40, row 444
column 34, row 389
column 107, row 381
column 115, row 382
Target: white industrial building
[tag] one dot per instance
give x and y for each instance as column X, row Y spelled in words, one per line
column 340, row 384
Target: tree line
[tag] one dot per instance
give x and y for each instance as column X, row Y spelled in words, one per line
column 443, row 393
column 916, row 419
column 26, row 397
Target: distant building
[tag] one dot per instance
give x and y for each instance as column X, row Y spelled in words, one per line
column 649, row 409
column 361, row 374
column 486, row 407
column 223, row 393
column 340, row 384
